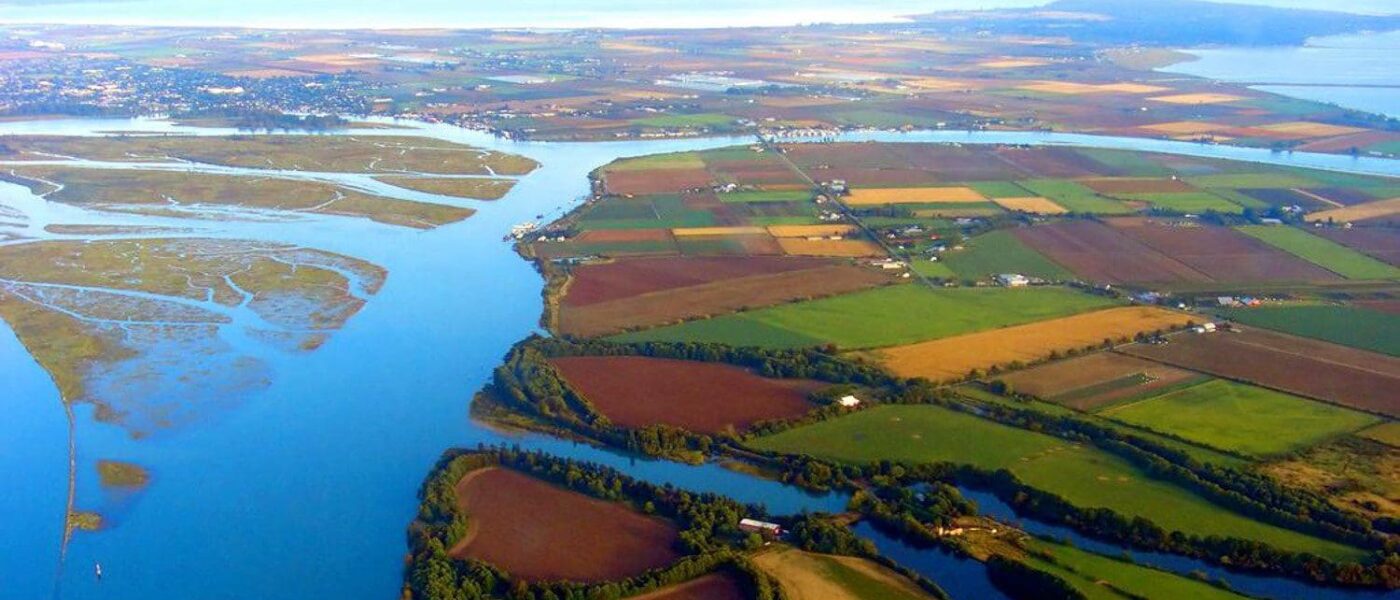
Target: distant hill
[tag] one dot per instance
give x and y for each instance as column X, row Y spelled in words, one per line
column 1163, row 22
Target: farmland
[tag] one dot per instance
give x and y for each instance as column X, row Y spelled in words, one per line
column 955, row 357
column 1001, row 252
column 701, row 397
column 539, row 532
column 885, row 316
column 1089, row 572
column 810, row 576
column 1089, row 382
column 1240, row 418
column 716, row 586
column 1353, row 326
column 1314, row 369
column 1328, row 255
column 1083, row 475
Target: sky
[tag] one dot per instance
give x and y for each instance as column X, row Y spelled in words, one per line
column 524, row 13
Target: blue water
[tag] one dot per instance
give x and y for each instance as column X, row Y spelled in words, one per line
column 962, row 578
column 1352, row 71
column 303, row 489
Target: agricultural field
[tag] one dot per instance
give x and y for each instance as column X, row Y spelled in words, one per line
column 1000, row 252
column 1323, row 253
column 1380, row 243
column 955, row 357
column 1385, row 433
column 1301, row 366
column 1240, row 418
column 1081, row 474
column 1090, row 382
column 1355, row 326
column 536, row 531
column 810, row 576
column 883, row 317
column 700, row 397
column 715, row 586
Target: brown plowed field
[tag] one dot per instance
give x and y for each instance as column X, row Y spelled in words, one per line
column 1343, row 196
column 1088, row 382
column 955, row 357
column 715, row 586
column 1222, row 253
column 1101, row 253
column 1059, row 163
column 655, row 181
column 1381, row 243
column 714, row 298
column 537, row 531
column 1346, row 376
column 636, row 391
column 630, row 277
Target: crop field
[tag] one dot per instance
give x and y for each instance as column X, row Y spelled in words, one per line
column 1241, row 418
column 1323, row 253
column 1301, row 366
column 1032, row 204
column 1101, row 253
column 921, row 195
column 701, row 397
column 601, row 282
column 955, row 357
column 882, row 317
column 833, row 248
column 1385, row 433
column 1075, row 197
column 1137, row 185
column 1186, row 202
column 1221, row 253
column 1001, row 252
column 1380, row 243
column 536, row 531
column 810, row 576
column 715, row 586
column 1084, row 475
column 1089, row 382
column 1353, row 326
column 655, row 181
column 1380, row 211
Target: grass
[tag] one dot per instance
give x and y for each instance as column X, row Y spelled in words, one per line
column 672, row 160
column 1385, row 433
column 1083, row 475
column 1088, row 572
column 1252, row 181
column 777, row 196
column 882, row 317
column 1001, row 252
column 1131, row 164
column 1322, row 252
column 998, row 189
column 1346, row 325
column 1241, row 418
column 810, row 575
column 1075, row 197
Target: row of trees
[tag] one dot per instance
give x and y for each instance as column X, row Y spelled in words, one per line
column 709, row 533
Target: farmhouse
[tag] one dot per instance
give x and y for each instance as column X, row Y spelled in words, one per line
column 1012, row 280
column 760, row 527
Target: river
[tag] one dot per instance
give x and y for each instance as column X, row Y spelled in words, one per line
column 303, row 489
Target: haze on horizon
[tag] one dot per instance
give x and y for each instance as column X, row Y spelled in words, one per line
column 348, row 14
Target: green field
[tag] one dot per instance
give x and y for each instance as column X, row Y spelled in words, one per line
column 673, row 160
column 884, row 316
column 648, row 212
column 1324, row 253
column 1088, row 572
column 1385, row 433
column 998, row 189
column 1240, row 418
column 1346, row 325
column 1128, row 163
column 1075, row 197
column 778, row 196
column 1187, row 202
column 1252, row 181
column 1001, row 252
column 1083, row 475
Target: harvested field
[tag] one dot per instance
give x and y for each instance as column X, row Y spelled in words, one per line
column 1089, row 382
column 712, row 231
column 1307, row 129
column 784, row 231
column 1100, row 253
column 644, row 307
column 1201, row 98
column 834, row 248
column 624, row 235
column 1137, row 185
column 1186, row 127
column 540, row 532
column 1311, row 368
column 1221, row 253
column 811, row 576
column 601, row 282
column 701, row 397
column 1033, row 205
column 955, row 357
column 1383, row 244
column 654, row 181
column 917, row 195
column 1380, row 210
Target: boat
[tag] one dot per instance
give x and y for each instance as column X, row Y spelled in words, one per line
column 97, row 568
